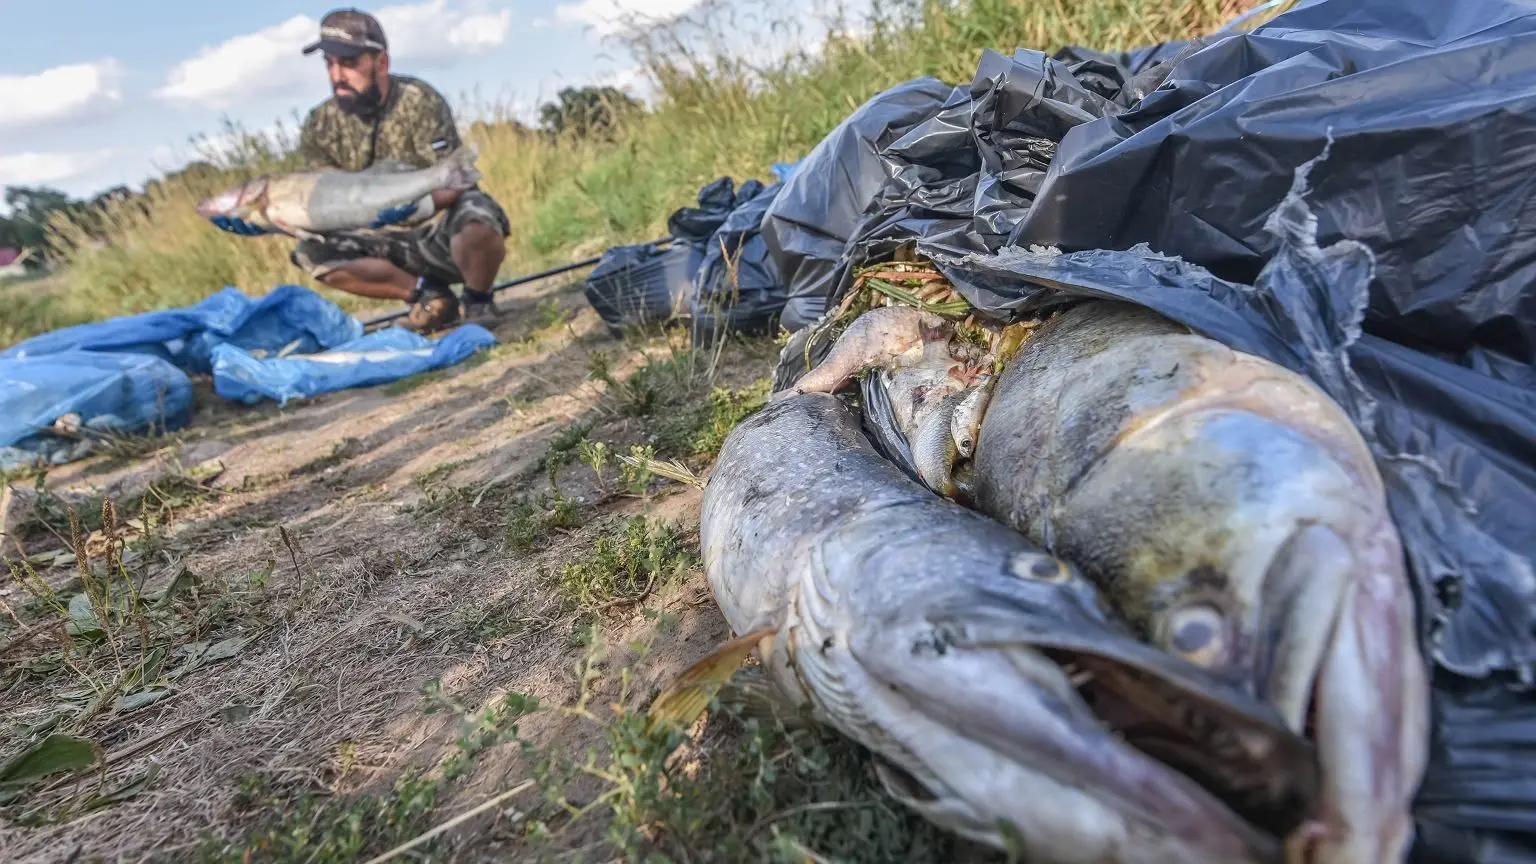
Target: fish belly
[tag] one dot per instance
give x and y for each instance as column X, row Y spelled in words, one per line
column 326, row 201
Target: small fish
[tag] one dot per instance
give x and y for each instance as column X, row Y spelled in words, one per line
column 878, row 336
column 306, row 203
column 933, row 445
column 966, row 421
column 1234, row 515
column 983, row 672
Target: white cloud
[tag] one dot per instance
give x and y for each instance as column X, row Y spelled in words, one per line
column 242, row 67
column 268, row 62
column 607, row 17
column 59, row 94
column 46, row 169
column 431, row 33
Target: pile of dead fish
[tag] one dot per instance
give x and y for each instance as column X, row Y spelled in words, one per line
column 1093, row 579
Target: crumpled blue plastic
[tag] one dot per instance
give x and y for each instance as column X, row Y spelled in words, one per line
column 375, row 358
column 112, row 393
column 291, row 318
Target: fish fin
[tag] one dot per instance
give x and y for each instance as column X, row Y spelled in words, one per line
column 755, row 695
column 462, row 173
column 291, row 231
column 685, row 698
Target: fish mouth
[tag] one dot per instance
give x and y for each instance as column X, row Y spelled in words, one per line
column 1146, row 731
column 1092, row 750
column 1229, row 745
column 233, row 201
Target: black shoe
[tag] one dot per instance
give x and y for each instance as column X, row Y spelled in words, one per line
column 433, row 307
column 480, row 308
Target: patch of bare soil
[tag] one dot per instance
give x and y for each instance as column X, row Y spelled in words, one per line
column 315, row 632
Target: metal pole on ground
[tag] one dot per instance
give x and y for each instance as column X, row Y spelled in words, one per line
column 372, row 323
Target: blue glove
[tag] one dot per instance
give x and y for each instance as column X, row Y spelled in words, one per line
column 391, row 215
column 238, row 226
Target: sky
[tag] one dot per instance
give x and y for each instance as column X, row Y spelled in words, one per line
column 96, row 93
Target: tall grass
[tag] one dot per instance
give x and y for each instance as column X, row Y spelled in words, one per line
column 721, row 107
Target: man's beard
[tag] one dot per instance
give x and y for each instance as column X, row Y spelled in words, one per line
column 361, row 104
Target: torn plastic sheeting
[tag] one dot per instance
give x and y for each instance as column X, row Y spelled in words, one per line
column 376, row 358
column 291, row 317
column 696, row 224
column 737, row 285
column 110, row 394
column 1473, row 582
column 817, row 212
column 1430, row 107
column 1182, row 169
column 641, row 284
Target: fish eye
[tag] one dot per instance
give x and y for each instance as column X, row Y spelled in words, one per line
column 1040, row 568
column 1197, row 633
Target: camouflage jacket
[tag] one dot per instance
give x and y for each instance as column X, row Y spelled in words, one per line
column 415, row 126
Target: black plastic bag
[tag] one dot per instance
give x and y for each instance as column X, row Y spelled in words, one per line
column 817, row 212
column 642, row 284
column 695, row 225
column 1399, row 274
column 737, row 287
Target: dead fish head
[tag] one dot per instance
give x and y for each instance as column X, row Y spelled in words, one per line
column 1212, row 731
column 238, row 200
column 986, row 670
column 1233, row 515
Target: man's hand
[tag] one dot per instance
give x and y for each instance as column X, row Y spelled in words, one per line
column 392, row 215
column 238, row 226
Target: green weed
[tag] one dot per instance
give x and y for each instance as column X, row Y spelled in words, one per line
column 530, row 521
column 630, row 559
column 314, row 827
column 757, row 784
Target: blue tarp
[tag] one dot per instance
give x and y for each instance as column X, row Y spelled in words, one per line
column 376, row 358
column 130, row 375
column 118, row 394
column 291, row 317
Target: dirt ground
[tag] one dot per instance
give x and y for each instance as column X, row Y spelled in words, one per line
column 328, row 627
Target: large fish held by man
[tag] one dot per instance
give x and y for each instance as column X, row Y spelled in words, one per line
column 986, row 674
column 319, row 202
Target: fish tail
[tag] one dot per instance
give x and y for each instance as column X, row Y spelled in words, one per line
column 685, row 698
column 462, row 173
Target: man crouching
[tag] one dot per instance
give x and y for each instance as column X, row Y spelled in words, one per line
column 376, row 120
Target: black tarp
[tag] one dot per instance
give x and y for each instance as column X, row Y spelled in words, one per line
column 1347, row 191
column 737, row 287
column 642, row 283
column 716, row 270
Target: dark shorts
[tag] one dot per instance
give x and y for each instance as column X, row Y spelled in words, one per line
column 420, row 250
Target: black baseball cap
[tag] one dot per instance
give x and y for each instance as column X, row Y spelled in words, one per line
column 348, row 33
